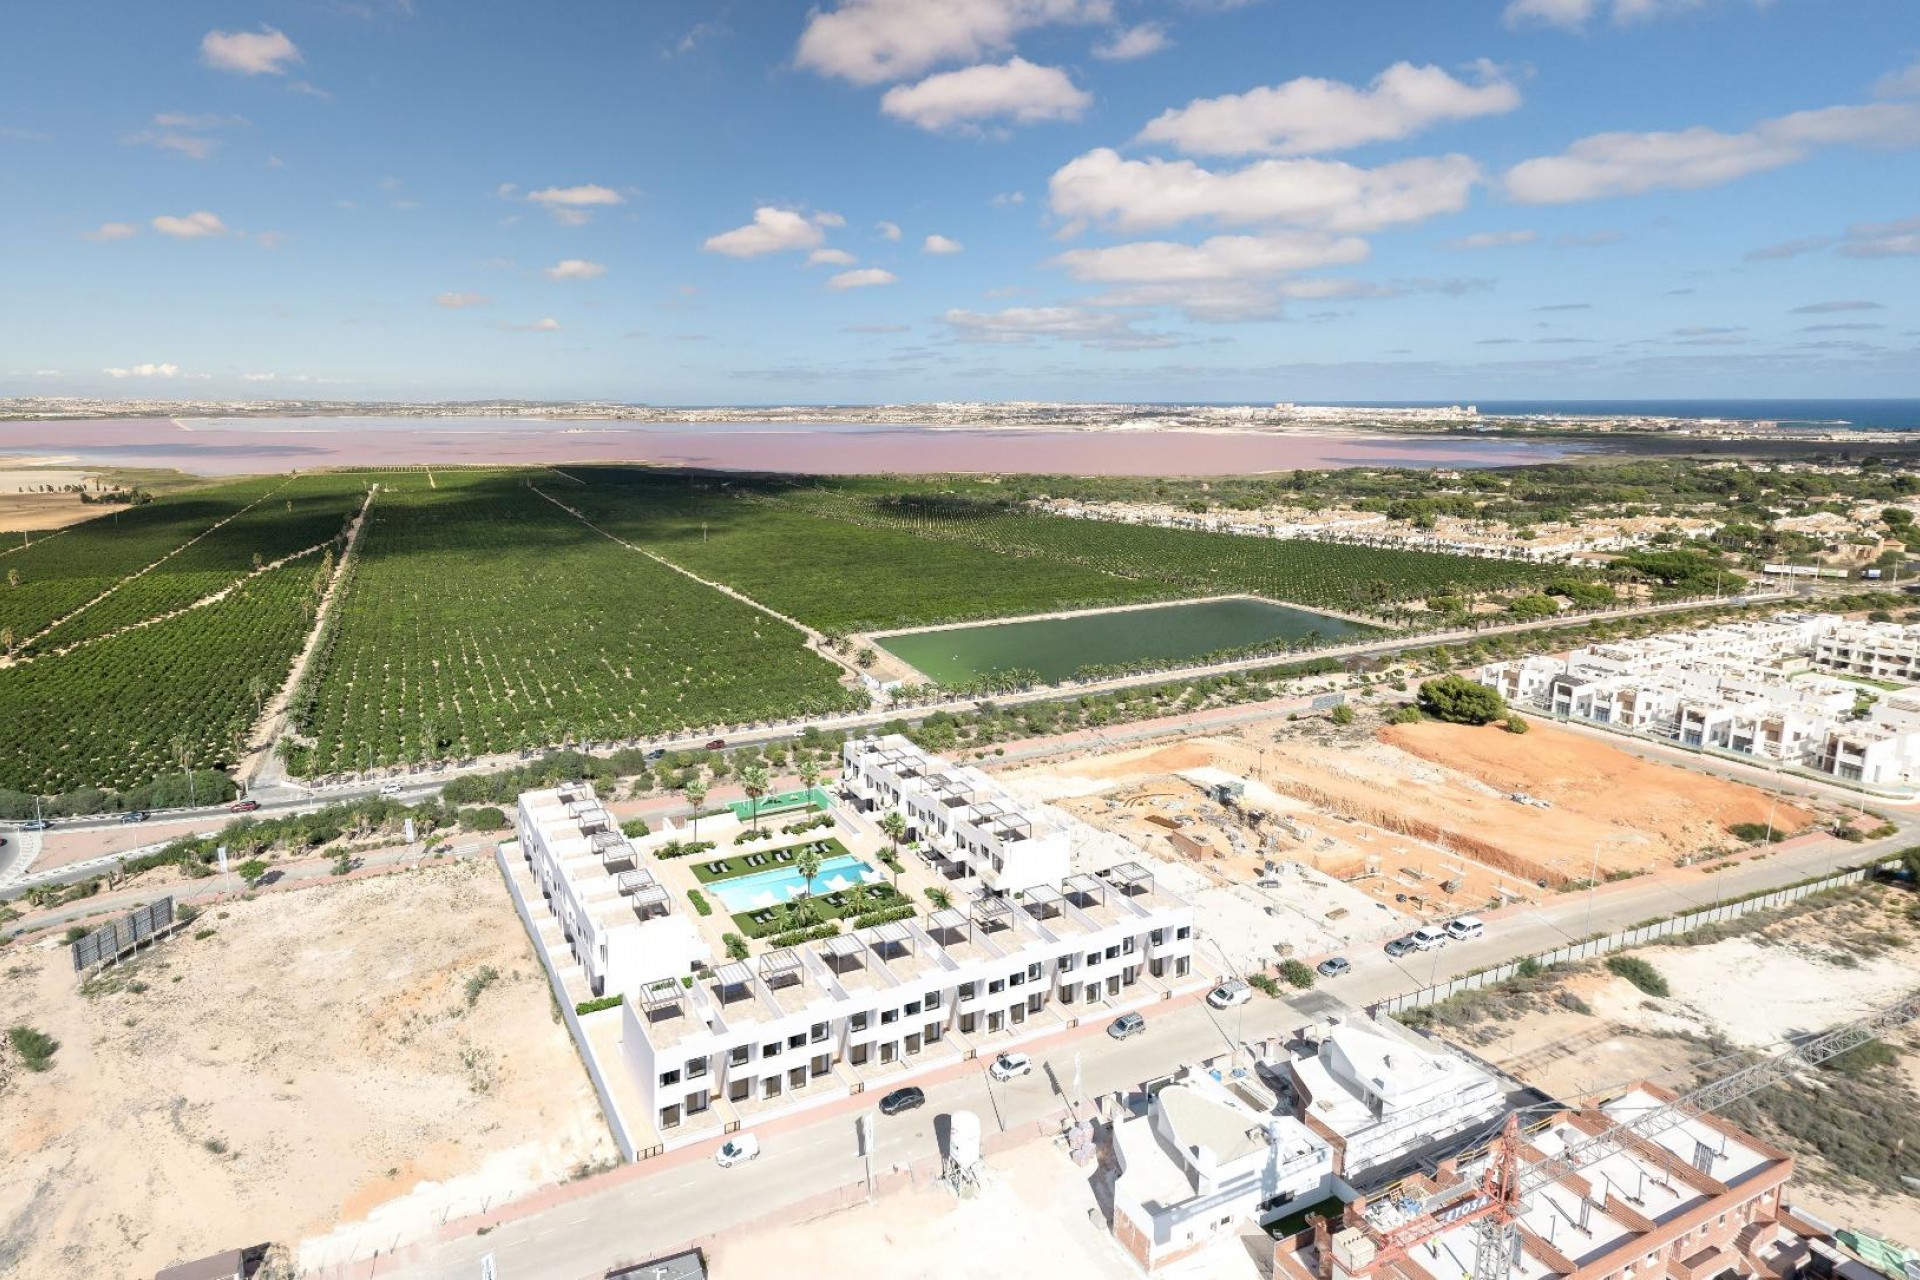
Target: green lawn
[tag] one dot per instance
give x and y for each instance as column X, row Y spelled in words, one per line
column 768, row 921
column 736, row 864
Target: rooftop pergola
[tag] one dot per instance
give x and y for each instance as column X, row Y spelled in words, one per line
column 1130, row 877
column 889, row 940
column 946, row 920
column 1085, row 890
column 651, row 899
column 842, row 949
column 628, row 883
column 732, row 981
column 612, row 847
column 1003, row 819
column 1042, row 901
column 990, row 913
column 951, row 789
column 781, row 967
column 660, row 996
column 573, row 792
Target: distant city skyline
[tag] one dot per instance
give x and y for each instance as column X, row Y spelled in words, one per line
column 900, row 200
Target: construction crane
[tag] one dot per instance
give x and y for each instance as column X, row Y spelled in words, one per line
column 1495, row 1203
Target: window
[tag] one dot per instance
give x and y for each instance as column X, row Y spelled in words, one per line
column 1015, row 979
column 933, row 1000
column 1093, row 958
column 858, row 1022
column 889, row 1016
column 1113, row 953
column 932, row 1033
column 1185, row 931
column 1033, row 972
column 912, row 1008
column 770, row 1050
column 1127, row 944
column 995, row 987
column 1067, row 963
column 669, row 1077
column 1154, row 938
column 738, row 1056
column 696, row 1068
column 1066, row 993
column 819, row 1032
column 968, row 990
column 797, row 1040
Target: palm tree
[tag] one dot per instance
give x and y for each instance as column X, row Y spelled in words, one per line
column 807, row 863
column 695, row 790
column 755, row 782
column 894, row 827
column 809, row 775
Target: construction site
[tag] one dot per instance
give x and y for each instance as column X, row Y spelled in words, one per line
column 1427, row 820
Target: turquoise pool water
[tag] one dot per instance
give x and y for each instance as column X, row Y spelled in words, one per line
column 783, row 884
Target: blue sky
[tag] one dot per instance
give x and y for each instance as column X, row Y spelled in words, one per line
column 888, row 200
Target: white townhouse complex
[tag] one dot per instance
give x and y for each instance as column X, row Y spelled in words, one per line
column 823, row 1018
column 1379, row 1097
column 970, row 824
column 1209, row 1155
column 615, row 916
column 1804, row 689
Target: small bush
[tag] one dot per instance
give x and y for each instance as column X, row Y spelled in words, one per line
column 36, row 1048
column 1341, row 714
column 1640, row 974
column 1296, row 974
column 940, row 898
column 794, row 937
column 883, row 916
column 75, row 933
column 586, row 1007
column 1515, row 724
column 1755, row 832
column 699, row 901
column 479, row 982
column 736, row 945
column 633, row 828
column 484, row 817
column 1264, row 982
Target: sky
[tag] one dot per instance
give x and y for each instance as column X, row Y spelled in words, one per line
column 861, row 201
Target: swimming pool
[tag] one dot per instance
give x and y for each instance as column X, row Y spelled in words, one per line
column 783, row 884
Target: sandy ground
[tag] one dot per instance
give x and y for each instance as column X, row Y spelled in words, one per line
column 1036, row 1205
column 312, row 1058
column 1420, row 818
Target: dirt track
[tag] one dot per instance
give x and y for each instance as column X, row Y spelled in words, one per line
column 315, row 1056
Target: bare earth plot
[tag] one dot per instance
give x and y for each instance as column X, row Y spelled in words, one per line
column 321, row 1053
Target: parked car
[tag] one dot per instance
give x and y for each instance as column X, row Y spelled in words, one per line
column 902, row 1100
column 1332, row 967
column 1009, row 1065
column 1401, row 946
column 35, row 824
column 134, row 815
column 243, row 806
column 658, row 753
column 718, row 744
column 1427, row 937
column 1266, row 884
column 1127, row 1024
column 389, row 788
column 738, row 1149
column 1466, row 928
column 1229, row 993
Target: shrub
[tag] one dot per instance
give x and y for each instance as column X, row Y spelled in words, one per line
column 253, row 871
column 1755, row 832
column 1640, row 974
column 1407, row 714
column 794, row 937
column 737, row 948
column 1533, row 607
column 1515, row 724
column 1296, row 974
column 1263, row 982
column 699, row 901
column 484, row 817
column 940, row 898
column 1459, row 700
column 479, row 982
column 1342, row 714
column 36, row 1048
column 75, row 933
column 883, row 916
column 586, row 1007
column 634, row 827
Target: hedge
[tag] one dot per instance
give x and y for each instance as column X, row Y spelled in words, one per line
column 699, row 901
column 884, row 915
column 594, row 1006
column 795, row 937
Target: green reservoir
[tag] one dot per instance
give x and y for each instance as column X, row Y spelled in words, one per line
column 1058, row 647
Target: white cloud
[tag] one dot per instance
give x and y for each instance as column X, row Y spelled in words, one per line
column 1134, row 42
column 1098, row 328
column 251, row 53
column 1016, row 90
column 194, row 226
column 570, row 206
column 460, row 301
column 831, row 258
column 1309, row 115
column 1134, row 195
column 825, row 218
column 146, row 371
column 546, row 324
column 1006, row 199
column 874, row 41
column 1789, row 249
column 1492, row 240
column 1882, row 239
column 1574, row 15
column 112, row 231
column 887, row 230
column 575, row 269
column 939, row 244
column 1899, row 84
column 772, row 230
column 1621, row 164
column 862, row 278
column 259, row 377
column 1216, row 258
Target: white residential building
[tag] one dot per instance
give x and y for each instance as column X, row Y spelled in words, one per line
column 973, row 826
column 618, row 921
column 1206, row 1158
column 1380, row 1098
column 1876, row 650
column 824, row 1018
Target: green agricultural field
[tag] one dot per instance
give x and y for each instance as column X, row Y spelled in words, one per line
column 480, row 618
column 132, row 707
column 835, row 575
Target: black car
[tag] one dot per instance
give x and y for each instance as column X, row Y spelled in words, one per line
column 134, row 815
column 902, row 1100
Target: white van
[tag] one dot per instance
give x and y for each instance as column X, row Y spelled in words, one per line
column 1465, row 929
column 1428, row 936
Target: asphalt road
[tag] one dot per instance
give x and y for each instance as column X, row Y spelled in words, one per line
column 653, row 1207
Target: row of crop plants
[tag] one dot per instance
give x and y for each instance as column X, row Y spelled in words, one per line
column 831, row 573
column 181, row 693
column 50, row 579
column 304, row 513
column 482, row 618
